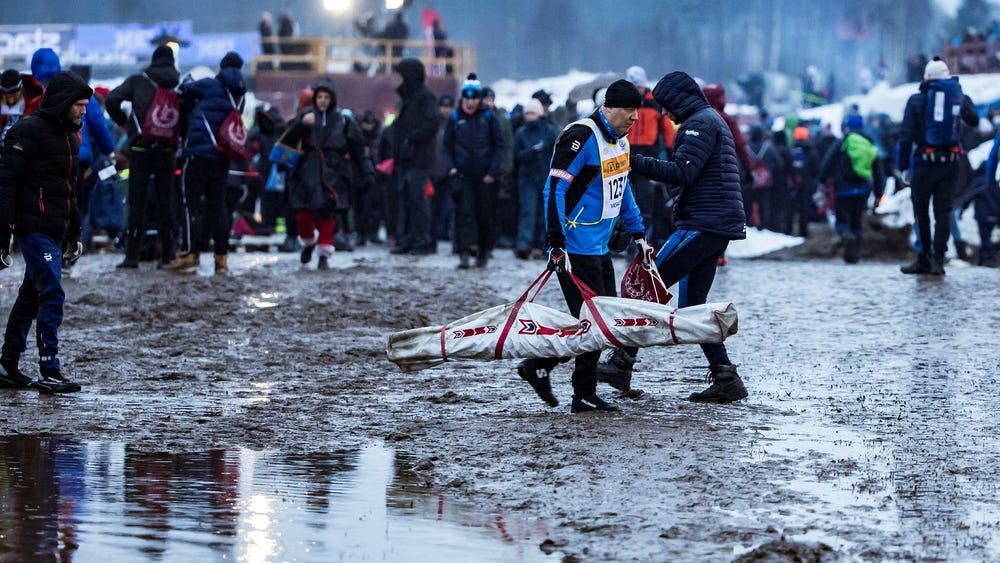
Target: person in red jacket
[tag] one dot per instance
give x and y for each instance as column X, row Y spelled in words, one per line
column 20, row 96
column 716, row 94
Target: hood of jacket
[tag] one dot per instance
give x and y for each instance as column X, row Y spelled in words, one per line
column 679, row 94
column 412, row 71
column 716, row 94
column 64, row 90
column 326, row 85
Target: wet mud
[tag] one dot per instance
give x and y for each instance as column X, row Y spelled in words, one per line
column 869, row 434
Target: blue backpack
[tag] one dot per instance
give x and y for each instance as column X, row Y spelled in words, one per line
column 941, row 110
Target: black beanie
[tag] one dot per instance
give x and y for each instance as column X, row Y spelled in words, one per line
column 232, row 59
column 622, row 94
column 10, row 81
column 164, row 54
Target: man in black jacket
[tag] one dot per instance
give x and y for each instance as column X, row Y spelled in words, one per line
column 708, row 214
column 147, row 158
column 39, row 164
column 928, row 136
column 414, row 131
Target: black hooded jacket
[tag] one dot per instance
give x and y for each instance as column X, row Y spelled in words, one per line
column 140, row 90
column 703, row 163
column 335, row 155
column 39, row 165
column 418, row 121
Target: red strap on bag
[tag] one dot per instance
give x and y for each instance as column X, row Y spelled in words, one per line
column 540, row 282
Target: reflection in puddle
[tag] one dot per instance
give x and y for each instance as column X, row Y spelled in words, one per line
column 90, row 501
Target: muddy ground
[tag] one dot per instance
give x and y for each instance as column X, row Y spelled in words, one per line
column 870, row 432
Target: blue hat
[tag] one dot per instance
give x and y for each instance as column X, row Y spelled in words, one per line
column 855, row 123
column 45, row 64
column 472, row 88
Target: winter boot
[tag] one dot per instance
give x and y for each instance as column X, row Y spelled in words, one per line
column 306, row 255
column 616, row 371
column 962, row 248
column 726, row 386
column 463, row 261
column 922, row 265
column 937, row 266
column 590, row 403
column 221, row 264
column 52, row 381
column 185, row 263
column 585, row 397
column 851, row 251
column 324, row 263
column 538, row 378
column 10, row 376
column 131, row 254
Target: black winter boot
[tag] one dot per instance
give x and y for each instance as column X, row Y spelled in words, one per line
column 726, row 386
column 937, row 266
column 538, row 378
column 922, row 265
column 10, row 376
column 585, row 397
column 53, row 381
column 617, row 372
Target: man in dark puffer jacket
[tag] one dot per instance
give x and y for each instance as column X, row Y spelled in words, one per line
column 709, row 213
column 39, row 165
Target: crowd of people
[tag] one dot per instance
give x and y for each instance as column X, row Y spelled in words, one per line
column 461, row 171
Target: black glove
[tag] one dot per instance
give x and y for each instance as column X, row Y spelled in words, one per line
column 5, row 248
column 558, row 260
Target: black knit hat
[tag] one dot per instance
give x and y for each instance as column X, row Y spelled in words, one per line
column 232, row 59
column 622, row 94
column 164, row 54
column 10, row 81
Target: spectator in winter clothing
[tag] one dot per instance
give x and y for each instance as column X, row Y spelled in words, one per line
column 369, row 211
column 442, row 203
column 708, row 214
column 803, row 180
column 533, row 144
column 95, row 136
column 716, row 95
column 853, row 166
column 38, row 175
column 473, row 155
column 506, row 209
column 935, row 165
column 767, row 174
column 268, row 125
column 413, row 144
column 147, row 158
column 987, row 202
column 203, row 178
column 320, row 185
column 20, row 96
column 586, row 191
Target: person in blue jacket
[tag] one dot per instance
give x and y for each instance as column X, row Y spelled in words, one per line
column 987, row 211
column 708, row 214
column 203, row 177
column 586, row 191
column 533, row 144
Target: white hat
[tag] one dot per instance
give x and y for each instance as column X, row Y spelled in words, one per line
column 936, row 70
column 585, row 107
column 636, row 75
column 534, row 106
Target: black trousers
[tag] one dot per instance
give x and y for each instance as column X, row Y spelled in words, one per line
column 475, row 216
column 933, row 181
column 203, row 196
column 159, row 164
column 598, row 273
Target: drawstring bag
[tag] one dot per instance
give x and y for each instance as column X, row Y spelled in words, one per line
column 642, row 281
column 232, row 138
